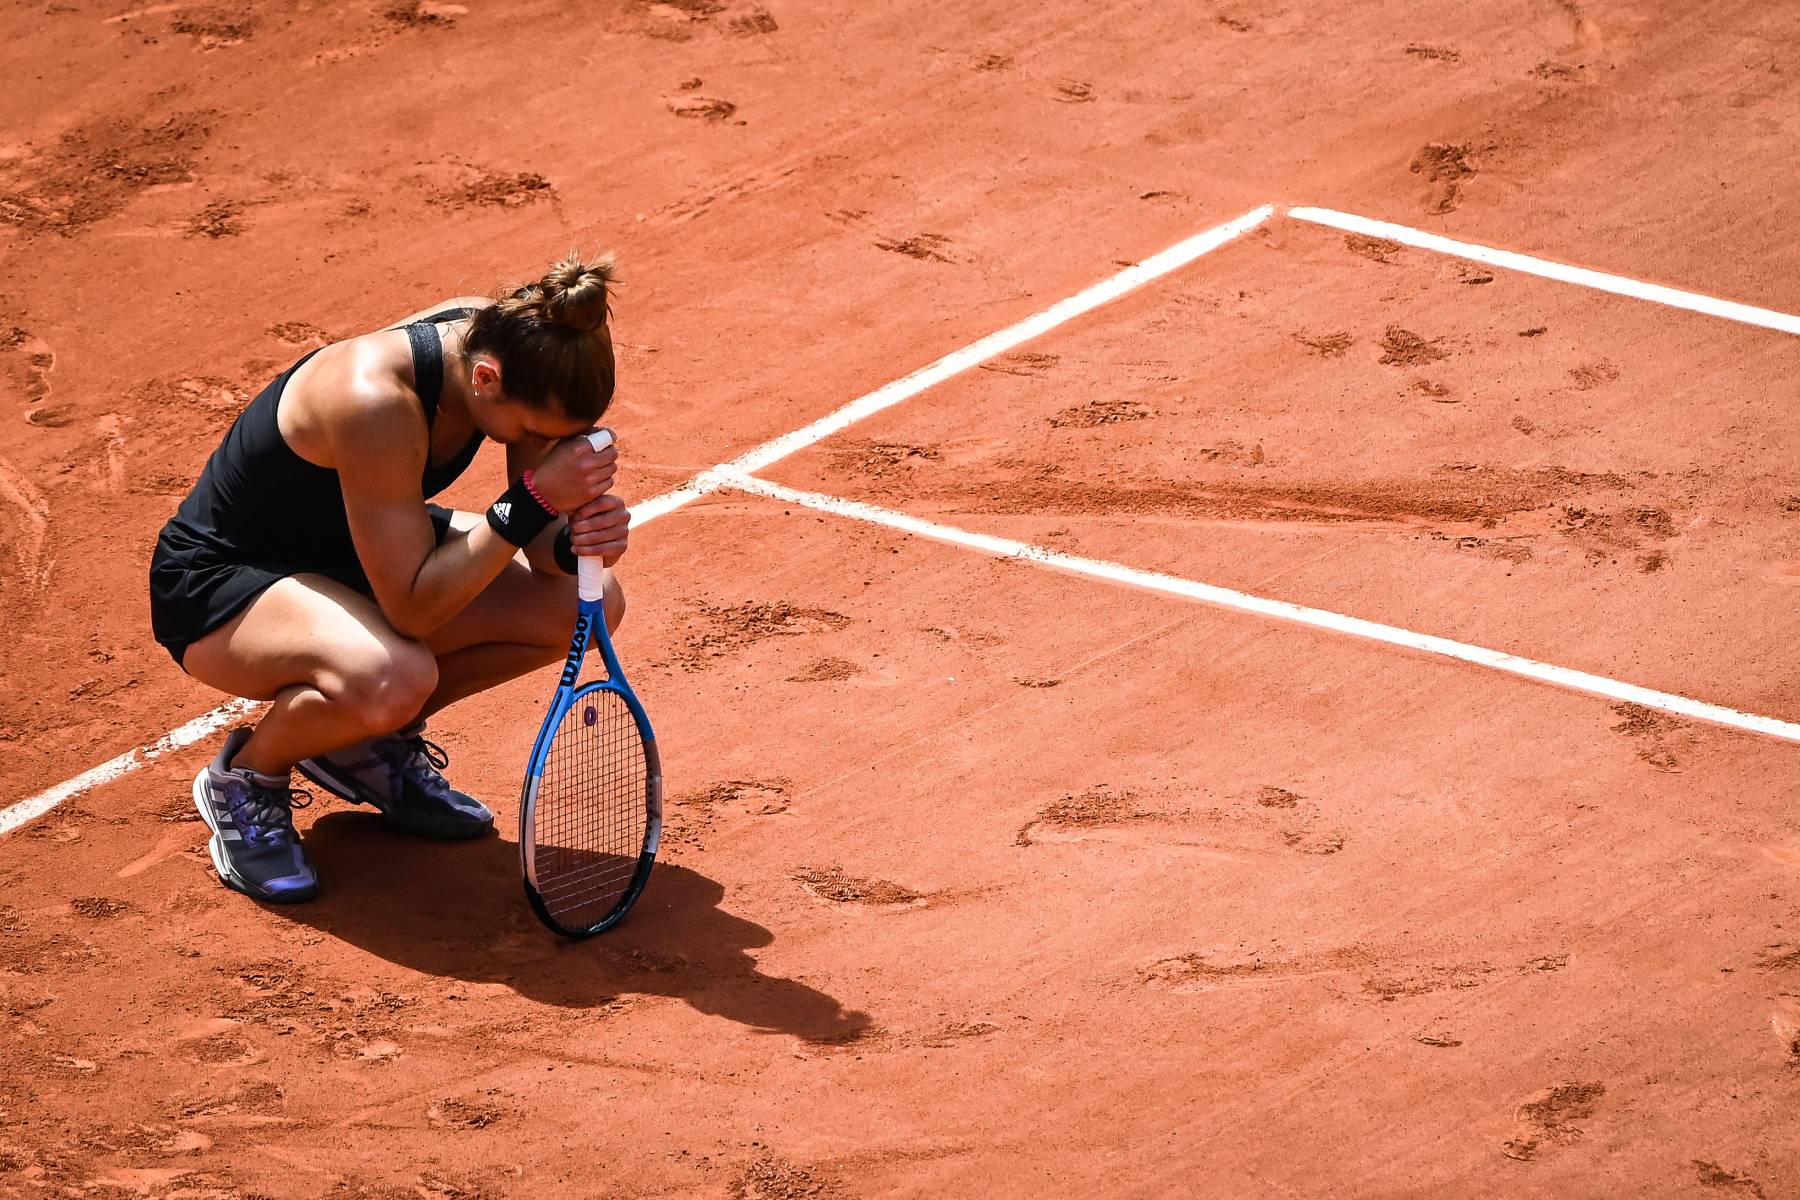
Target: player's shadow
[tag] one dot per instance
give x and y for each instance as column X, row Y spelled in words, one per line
column 456, row 910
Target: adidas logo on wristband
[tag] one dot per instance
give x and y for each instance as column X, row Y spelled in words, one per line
column 517, row 516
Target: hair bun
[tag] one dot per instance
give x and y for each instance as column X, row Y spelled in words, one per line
column 574, row 293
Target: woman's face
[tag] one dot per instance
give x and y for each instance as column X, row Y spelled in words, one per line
column 506, row 420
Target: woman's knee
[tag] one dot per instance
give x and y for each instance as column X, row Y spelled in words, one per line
column 555, row 618
column 614, row 601
column 387, row 683
column 550, row 615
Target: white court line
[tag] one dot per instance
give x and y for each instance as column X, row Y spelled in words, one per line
column 1155, row 267
column 124, row 764
column 1281, row 610
column 1620, row 285
column 957, row 361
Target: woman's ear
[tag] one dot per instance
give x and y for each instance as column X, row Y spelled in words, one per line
column 485, row 375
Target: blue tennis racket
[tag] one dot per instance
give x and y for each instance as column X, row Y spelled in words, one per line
column 590, row 816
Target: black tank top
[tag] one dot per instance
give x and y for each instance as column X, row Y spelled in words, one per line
column 259, row 502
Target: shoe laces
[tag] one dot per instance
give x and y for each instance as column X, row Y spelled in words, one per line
column 265, row 814
column 419, row 759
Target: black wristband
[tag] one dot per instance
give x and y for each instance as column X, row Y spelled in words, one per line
column 564, row 548
column 517, row 516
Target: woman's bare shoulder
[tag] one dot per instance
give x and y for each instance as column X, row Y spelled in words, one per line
column 440, row 306
column 356, row 393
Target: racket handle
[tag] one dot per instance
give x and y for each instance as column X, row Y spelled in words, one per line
column 592, row 571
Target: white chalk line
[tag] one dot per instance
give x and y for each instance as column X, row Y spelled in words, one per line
column 1155, row 267
column 1511, row 260
column 124, row 764
column 1179, row 255
column 1281, row 610
column 957, row 361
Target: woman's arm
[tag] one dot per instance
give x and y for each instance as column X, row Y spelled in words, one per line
column 600, row 527
column 379, row 443
column 522, row 456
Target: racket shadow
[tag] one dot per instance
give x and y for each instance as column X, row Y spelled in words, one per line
column 455, row 910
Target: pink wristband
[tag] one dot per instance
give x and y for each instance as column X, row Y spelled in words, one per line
column 538, row 496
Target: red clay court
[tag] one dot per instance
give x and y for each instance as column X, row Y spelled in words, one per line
column 1216, row 585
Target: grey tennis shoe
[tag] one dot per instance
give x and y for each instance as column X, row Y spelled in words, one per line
column 401, row 776
column 254, row 844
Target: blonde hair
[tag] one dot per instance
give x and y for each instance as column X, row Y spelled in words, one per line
column 551, row 338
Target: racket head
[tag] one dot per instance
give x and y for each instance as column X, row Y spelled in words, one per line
column 591, row 816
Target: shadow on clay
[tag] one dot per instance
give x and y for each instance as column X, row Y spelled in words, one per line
column 457, row 910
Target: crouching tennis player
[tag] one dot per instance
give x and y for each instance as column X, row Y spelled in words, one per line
column 306, row 567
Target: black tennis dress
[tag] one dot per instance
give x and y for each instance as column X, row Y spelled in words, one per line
column 260, row 512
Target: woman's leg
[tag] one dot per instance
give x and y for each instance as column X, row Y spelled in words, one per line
column 326, row 657
column 520, row 622
column 337, row 673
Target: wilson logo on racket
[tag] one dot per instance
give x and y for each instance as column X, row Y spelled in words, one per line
column 572, row 667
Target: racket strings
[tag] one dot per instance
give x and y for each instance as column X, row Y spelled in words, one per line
column 591, row 818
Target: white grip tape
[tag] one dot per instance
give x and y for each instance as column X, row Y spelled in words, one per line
column 592, row 572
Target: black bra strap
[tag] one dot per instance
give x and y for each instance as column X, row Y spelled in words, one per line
column 428, row 367
column 428, row 358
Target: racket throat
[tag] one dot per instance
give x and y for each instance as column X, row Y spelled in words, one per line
column 578, row 645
